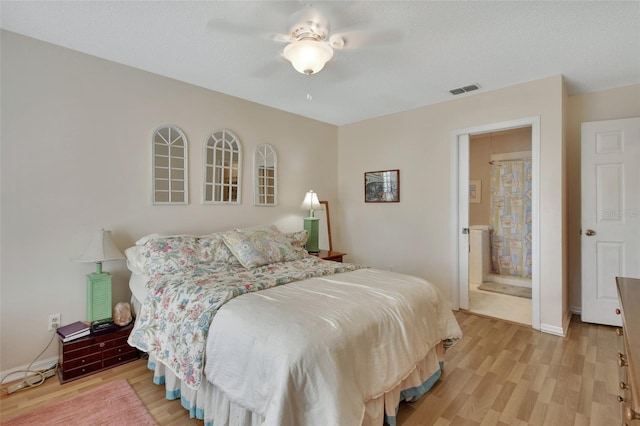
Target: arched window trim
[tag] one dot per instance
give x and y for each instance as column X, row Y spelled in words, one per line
column 265, row 182
column 169, row 170
column 213, row 190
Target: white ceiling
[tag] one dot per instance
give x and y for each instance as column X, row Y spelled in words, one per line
column 426, row 48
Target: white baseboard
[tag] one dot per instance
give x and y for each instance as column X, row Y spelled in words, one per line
column 576, row 309
column 554, row 329
column 17, row 373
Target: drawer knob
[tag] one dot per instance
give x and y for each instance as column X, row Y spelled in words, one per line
column 617, row 311
column 619, row 332
column 620, row 399
column 622, row 363
column 102, row 345
column 623, row 385
column 622, row 359
column 630, row 414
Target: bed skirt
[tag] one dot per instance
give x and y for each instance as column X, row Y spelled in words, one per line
column 209, row 404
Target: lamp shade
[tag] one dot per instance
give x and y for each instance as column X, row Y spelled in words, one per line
column 308, row 56
column 100, row 249
column 311, row 203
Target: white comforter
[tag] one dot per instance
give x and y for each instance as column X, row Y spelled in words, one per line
column 313, row 352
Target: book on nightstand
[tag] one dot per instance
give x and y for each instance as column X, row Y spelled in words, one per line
column 73, row 331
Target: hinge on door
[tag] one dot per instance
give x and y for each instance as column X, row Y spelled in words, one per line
column 465, row 230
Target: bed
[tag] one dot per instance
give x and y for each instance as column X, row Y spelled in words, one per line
column 247, row 328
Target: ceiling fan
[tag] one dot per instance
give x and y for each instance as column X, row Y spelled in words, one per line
column 309, row 41
column 310, row 46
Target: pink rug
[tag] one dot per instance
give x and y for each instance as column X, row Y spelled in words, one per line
column 115, row 403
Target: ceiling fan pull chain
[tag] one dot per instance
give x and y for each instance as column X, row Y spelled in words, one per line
column 309, row 95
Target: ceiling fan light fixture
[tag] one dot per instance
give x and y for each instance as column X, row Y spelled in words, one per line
column 308, row 56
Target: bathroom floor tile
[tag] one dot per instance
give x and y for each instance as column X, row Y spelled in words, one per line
column 510, row 308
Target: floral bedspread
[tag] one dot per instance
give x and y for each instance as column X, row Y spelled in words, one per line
column 175, row 318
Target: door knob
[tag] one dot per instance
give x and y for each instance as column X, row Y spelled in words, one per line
column 590, row 232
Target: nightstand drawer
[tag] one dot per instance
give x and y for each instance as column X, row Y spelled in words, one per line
column 80, row 352
column 121, row 350
column 83, row 371
column 113, row 343
column 82, row 361
column 119, row 359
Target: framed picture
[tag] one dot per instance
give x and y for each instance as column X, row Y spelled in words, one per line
column 382, row 186
column 475, row 191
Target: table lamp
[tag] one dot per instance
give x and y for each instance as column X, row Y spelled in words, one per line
column 101, row 248
column 311, row 203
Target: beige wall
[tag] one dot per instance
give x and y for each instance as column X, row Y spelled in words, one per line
column 414, row 236
column 76, row 154
column 622, row 102
column 480, row 149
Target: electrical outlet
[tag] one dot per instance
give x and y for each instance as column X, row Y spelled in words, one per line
column 54, row 322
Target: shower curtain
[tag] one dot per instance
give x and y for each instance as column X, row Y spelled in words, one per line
column 510, row 213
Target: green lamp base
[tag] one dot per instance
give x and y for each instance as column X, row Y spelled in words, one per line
column 98, row 296
column 311, row 225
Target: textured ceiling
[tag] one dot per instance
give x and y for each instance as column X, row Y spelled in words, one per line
column 416, row 51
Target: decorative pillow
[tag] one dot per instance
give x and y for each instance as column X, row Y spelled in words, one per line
column 298, row 239
column 165, row 255
column 214, row 250
column 260, row 245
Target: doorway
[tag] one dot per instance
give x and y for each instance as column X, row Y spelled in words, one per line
column 461, row 214
column 500, row 193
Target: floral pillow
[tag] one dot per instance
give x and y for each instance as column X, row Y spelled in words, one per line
column 258, row 246
column 165, row 255
column 298, row 239
column 214, row 250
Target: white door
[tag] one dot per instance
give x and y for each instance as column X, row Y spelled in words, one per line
column 610, row 214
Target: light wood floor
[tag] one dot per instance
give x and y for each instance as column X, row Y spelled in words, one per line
column 500, row 373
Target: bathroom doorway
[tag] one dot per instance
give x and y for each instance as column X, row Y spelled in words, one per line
column 468, row 191
column 500, row 237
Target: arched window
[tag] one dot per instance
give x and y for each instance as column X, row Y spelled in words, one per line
column 265, row 163
column 169, row 166
column 222, row 168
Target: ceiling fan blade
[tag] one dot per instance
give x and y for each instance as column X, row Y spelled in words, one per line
column 358, row 39
column 244, row 30
column 281, row 38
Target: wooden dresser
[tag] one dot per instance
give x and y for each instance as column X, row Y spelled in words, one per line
column 629, row 354
column 88, row 355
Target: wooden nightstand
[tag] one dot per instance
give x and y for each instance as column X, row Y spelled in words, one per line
column 336, row 256
column 88, row 355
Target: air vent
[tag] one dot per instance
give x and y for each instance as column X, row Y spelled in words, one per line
column 465, row 89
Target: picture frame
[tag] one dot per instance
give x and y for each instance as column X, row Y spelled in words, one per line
column 475, row 191
column 382, row 186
